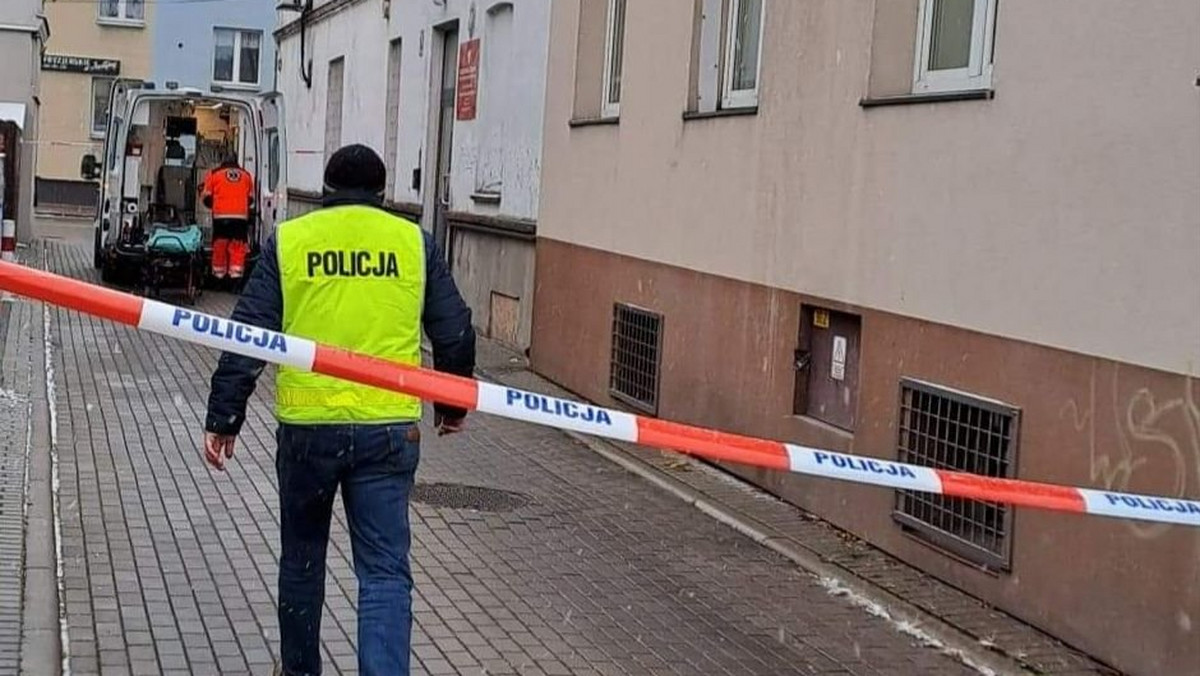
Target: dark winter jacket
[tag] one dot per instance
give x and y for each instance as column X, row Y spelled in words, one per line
column 445, row 318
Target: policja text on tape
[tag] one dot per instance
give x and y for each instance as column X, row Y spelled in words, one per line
column 271, row 346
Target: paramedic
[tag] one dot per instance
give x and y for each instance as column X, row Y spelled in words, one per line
column 335, row 433
column 228, row 191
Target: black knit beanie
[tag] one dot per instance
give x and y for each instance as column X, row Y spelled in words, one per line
column 355, row 168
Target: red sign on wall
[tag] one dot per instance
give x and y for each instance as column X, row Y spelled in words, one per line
column 468, row 79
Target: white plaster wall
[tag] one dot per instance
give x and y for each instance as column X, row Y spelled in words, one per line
column 361, row 34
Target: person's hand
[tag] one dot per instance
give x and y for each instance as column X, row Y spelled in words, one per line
column 217, row 448
column 447, row 425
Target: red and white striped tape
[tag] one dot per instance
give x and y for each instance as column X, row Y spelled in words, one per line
column 223, row 334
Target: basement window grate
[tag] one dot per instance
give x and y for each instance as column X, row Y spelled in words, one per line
column 951, row 430
column 636, row 357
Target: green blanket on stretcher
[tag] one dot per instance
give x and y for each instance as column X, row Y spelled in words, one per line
column 175, row 239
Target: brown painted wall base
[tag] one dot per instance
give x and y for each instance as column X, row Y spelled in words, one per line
column 1127, row 593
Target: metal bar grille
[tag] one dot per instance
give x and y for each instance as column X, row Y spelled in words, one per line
column 61, row 193
column 950, row 430
column 636, row 354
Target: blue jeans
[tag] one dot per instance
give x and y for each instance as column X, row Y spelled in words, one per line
column 375, row 466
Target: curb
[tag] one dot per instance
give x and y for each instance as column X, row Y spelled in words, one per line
column 42, row 649
column 906, row 617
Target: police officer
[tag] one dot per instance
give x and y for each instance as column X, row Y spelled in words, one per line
column 228, row 191
column 351, row 275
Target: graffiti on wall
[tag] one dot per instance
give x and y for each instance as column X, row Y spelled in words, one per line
column 1141, row 436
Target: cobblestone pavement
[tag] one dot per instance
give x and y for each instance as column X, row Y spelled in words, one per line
column 577, row 567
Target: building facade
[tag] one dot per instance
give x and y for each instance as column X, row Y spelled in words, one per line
column 92, row 44
column 23, row 34
column 224, row 43
column 451, row 95
column 916, row 230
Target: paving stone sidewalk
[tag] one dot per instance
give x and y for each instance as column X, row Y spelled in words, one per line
column 877, row 580
column 532, row 554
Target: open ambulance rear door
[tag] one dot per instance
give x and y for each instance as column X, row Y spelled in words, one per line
column 110, row 169
column 272, row 183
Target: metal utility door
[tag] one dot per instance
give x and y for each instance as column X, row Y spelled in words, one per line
column 828, row 366
column 445, row 137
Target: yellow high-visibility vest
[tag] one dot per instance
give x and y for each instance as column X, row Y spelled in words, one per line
column 352, row 277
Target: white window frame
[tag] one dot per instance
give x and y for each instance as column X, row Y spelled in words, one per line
column 740, row 98
column 978, row 73
column 238, row 35
column 613, row 108
column 122, row 17
column 92, row 131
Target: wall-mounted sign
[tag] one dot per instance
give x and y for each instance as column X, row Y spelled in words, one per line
column 81, row 64
column 468, row 79
column 837, row 369
column 821, row 319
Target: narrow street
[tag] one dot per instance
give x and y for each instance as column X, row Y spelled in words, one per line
column 532, row 554
column 911, row 287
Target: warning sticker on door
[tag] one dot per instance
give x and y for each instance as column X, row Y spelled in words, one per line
column 837, row 369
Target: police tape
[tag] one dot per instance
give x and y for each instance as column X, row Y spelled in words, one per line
column 279, row 348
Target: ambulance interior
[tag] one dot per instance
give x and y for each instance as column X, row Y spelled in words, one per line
column 171, row 146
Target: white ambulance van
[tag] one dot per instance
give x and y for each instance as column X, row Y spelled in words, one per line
column 159, row 147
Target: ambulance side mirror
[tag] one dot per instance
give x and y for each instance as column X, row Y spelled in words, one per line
column 89, row 169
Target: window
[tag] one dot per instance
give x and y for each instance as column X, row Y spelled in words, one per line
column 827, row 366
column 333, row 106
column 101, row 94
column 947, row 429
column 122, row 10
column 726, row 57
column 743, row 54
column 273, row 159
column 614, row 54
column 954, row 49
column 236, row 56
column 636, row 356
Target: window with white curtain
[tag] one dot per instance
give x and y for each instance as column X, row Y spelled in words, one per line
column 123, row 10
column 236, row 55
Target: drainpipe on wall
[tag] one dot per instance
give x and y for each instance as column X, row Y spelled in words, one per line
column 306, row 66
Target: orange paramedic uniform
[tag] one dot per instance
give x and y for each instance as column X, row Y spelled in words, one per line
column 227, row 192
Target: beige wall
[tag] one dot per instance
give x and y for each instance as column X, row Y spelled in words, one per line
column 1063, row 211
column 66, row 97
